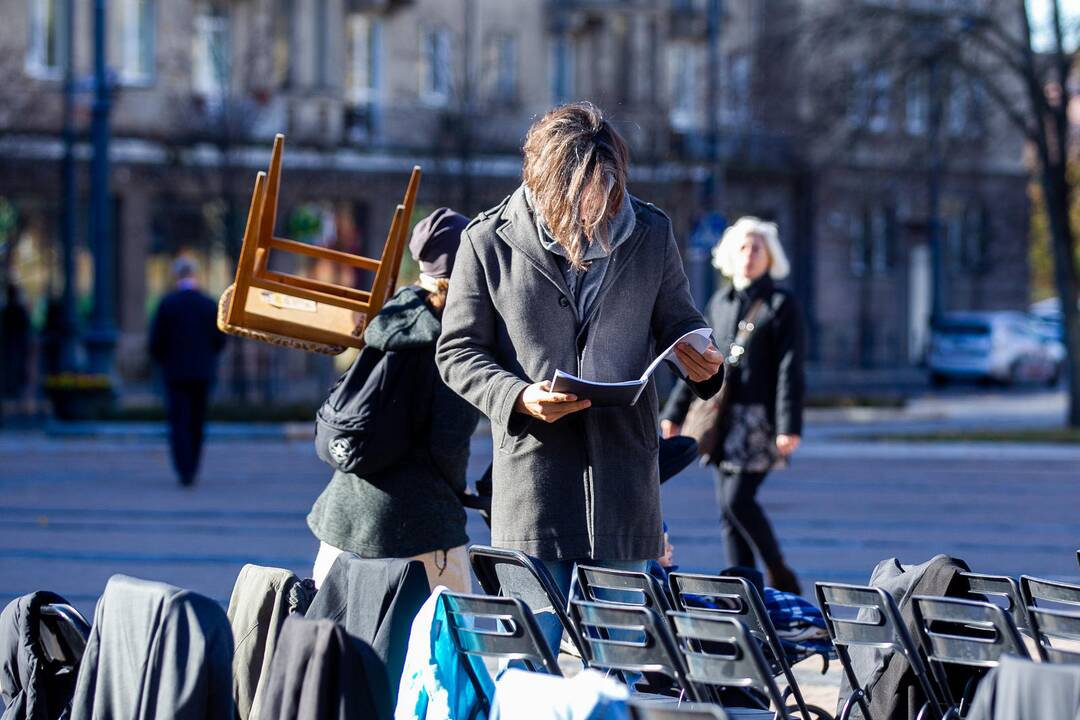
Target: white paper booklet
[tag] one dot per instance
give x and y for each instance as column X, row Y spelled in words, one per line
column 614, row 394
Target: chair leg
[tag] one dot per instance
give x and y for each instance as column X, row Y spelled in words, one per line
column 857, row 697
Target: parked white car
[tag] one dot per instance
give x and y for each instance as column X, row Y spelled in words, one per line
column 1004, row 346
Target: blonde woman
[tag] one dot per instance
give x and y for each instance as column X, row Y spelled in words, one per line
column 573, row 272
column 765, row 416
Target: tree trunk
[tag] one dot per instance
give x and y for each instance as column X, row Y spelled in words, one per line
column 1056, row 189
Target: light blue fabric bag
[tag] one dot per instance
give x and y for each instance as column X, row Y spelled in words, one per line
column 435, row 683
column 589, row 695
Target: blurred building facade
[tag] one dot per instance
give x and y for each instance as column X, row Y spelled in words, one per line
column 719, row 122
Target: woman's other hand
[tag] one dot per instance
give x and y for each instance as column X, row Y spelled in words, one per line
column 787, row 444
column 669, row 428
column 699, row 366
column 539, row 402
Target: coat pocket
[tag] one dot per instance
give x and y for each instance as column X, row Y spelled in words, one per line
column 647, row 413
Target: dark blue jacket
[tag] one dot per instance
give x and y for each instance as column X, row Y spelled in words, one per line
column 184, row 338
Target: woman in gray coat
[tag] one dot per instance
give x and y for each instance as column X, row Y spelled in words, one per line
column 570, row 272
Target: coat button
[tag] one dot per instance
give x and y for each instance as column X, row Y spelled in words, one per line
column 563, row 302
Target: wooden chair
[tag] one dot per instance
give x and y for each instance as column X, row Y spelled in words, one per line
column 299, row 312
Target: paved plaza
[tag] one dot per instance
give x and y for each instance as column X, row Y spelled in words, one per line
column 77, row 510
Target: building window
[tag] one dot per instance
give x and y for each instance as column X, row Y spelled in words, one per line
column 870, row 99
column 282, row 41
column 211, row 56
column 361, row 71
column 880, row 85
column 137, row 39
column 685, row 68
column 323, row 43
column 969, row 234
column 45, row 49
column 917, row 106
column 505, row 64
column 873, row 241
column 859, row 255
column 435, row 66
column 736, row 91
column 958, row 108
column 563, row 61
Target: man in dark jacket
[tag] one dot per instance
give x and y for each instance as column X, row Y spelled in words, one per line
column 587, row 279
column 185, row 342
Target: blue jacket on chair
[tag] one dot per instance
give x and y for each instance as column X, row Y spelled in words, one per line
column 435, row 683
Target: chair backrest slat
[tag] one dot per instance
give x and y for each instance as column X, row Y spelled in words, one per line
column 966, row 632
column 622, row 587
column 510, row 631
column 956, row 632
column 629, row 638
column 1004, row 587
column 1038, row 592
column 872, row 620
column 1057, row 634
column 533, row 584
column 737, row 597
column 720, row 652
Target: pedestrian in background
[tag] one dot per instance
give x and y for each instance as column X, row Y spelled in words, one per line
column 185, row 343
column 763, row 421
column 571, row 272
column 15, row 341
column 410, row 509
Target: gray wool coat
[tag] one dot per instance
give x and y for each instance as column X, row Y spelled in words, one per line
column 587, row 485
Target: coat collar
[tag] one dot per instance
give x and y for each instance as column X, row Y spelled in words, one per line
column 518, row 229
column 762, row 287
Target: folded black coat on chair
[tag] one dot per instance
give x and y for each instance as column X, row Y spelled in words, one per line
column 31, row 687
column 376, row 601
column 320, row 672
column 886, row 675
column 155, row 651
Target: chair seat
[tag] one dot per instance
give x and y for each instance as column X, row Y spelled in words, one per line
column 269, row 315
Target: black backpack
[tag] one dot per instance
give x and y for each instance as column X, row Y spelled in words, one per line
column 376, row 411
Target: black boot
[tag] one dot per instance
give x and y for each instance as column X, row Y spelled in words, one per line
column 783, row 578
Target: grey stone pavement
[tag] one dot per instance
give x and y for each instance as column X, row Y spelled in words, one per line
column 76, row 509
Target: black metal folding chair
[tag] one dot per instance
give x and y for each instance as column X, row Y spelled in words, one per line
column 630, row 639
column 866, row 616
column 537, row 588
column 62, row 634
column 964, row 633
column 737, row 597
column 719, row 652
column 1050, row 628
column 495, row 627
column 1049, row 594
column 1004, row 587
column 686, row 711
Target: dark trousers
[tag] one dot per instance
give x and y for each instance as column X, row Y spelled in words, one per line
column 186, row 403
column 742, row 520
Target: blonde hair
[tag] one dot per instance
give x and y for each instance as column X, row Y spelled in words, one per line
column 576, row 164
column 725, row 252
column 437, row 288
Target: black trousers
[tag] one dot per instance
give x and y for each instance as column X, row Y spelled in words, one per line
column 743, row 522
column 186, row 404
